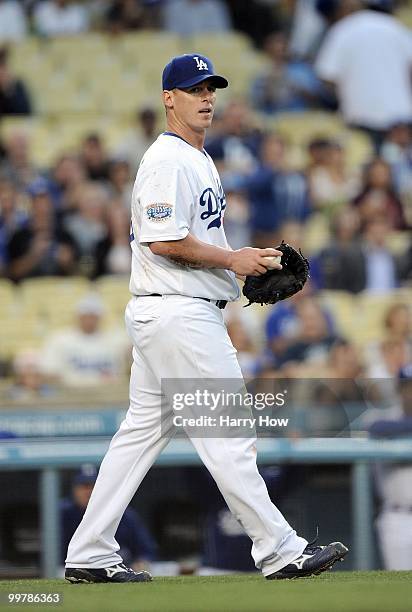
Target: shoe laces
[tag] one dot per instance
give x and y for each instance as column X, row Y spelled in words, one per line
column 127, row 569
column 311, row 549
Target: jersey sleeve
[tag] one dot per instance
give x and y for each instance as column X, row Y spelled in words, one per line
column 164, row 204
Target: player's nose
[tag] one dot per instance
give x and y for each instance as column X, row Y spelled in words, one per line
column 208, row 96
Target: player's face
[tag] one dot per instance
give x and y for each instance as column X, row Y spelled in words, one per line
column 81, row 494
column 194, row 106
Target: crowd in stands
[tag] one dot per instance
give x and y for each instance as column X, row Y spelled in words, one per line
column 72, row 218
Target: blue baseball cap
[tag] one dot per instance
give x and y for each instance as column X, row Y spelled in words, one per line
column 86, row 475
column 188, row 70
column 405, row 373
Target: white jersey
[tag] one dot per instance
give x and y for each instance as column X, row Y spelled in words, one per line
column 177, row 191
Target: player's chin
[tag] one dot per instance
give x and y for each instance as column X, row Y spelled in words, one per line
column 205, row 119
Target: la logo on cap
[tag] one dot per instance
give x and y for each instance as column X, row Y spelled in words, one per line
column 201, row 65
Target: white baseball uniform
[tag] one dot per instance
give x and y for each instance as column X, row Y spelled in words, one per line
column 394, row 523
column 177, row 335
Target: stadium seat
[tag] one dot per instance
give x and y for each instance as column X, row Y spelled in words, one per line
column 20, row 331
column 370, row 313
column 52, row 299
column 342, row 306
column 230, row 45
column 152, row 49
column 300, row 128
column 114, row 291
column 316, row 235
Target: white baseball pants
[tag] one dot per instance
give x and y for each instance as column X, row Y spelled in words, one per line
column 178, row 337
column 395, row 539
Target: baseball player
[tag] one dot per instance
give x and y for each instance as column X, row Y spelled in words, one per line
column 183, row 274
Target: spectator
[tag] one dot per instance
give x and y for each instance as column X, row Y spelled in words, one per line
column 378, row 196
column 235, row 149
column 265, row 19
column 67, row 178
column 136, row 544
column 13, row 24
column 367, row 55
column 331, row 185
column 87, row 227
column 17, row 165
column 406, row 266
column 340, row 263
column 284, row 326
column 60, row 18
column 394, row 523
column 237, row 215
column 308, row 27
column 120, row 184
column 128, row 15
column 287, row 84
column 190, row 17
column 398, row 325
column 384, row 358
column 86, row 355
column 29, row 381
column 113, row 254
column 12, row 217
column 14, row 97
column 337, row 389
column 310, row 351
column 276, row 193
column 140, row 139
column 380, row 266
column 362, row 263
column 94, row 158
column 397, row 151
column 388, row 359
column 344, row 363
column 40, row 247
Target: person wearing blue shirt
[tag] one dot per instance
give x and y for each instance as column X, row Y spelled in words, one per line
column 393, row 480
column 276, row 194
column 137, row 546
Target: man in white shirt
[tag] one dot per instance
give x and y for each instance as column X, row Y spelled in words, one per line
column 13, row 22
column 85, row 355
column 190, row 17
column 183, row 275
column 367, row 55
column 60, row 18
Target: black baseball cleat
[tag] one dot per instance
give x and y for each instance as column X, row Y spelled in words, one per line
column 114, row 573
column 313, row 561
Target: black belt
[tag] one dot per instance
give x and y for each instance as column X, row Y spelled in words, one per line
column 219, row 303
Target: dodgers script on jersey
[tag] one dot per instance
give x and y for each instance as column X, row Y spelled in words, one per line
column 177, row 191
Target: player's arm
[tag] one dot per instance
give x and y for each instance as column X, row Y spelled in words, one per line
column 194, row 253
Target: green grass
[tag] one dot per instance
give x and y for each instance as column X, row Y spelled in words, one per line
column 332, row 592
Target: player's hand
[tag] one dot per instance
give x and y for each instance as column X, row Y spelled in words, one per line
column 251, row 262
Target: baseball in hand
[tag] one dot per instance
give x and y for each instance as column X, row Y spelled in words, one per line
column 272, row 262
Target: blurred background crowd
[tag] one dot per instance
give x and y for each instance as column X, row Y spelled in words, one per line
column 313, row 143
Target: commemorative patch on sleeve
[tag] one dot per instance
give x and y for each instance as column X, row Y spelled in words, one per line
column 159, row 212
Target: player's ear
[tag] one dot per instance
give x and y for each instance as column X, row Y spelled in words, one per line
column 168, row 98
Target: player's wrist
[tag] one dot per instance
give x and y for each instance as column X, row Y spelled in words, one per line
column 230, row 257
